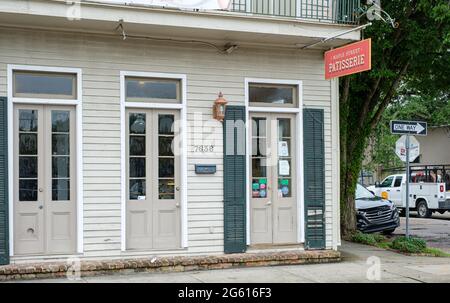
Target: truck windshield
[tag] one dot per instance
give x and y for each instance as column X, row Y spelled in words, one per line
column 387, row 182
column 363, row 193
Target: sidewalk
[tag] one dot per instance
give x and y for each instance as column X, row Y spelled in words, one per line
column 394, row 268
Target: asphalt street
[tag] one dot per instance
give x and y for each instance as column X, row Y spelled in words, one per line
column 435, row 230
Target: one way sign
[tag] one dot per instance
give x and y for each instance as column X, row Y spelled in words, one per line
column 409, row 127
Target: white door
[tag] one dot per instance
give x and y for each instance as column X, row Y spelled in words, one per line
column 396, row 191
column 273, row 201
column 153, row 179
column 44, row 180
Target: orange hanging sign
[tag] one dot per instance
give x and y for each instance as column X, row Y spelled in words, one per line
column 350, row 59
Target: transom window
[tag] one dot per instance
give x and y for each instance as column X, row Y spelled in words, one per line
column 272, row 95
column 31, row 84
column 152, row 90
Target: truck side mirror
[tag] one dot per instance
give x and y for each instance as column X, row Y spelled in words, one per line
column 377, row 184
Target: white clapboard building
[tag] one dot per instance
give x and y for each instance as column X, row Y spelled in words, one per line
column 160, row 128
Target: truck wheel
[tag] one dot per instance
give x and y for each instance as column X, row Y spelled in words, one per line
column 422, row 210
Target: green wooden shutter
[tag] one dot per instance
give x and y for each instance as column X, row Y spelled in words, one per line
column 234, row 180
column 4, row 230
column 314, row 178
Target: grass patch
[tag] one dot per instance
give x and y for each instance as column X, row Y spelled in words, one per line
column 436, row 252
column 402, row 244
column 409, row 245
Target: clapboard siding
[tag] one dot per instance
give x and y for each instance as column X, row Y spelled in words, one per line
column 102, row 58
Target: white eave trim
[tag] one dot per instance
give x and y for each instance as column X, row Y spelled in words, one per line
column 227, row 22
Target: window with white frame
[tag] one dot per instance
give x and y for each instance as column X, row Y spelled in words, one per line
column 139, row 89
column 48, row 85
column 280, row 95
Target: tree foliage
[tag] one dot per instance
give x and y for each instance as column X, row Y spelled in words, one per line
column 416, row 56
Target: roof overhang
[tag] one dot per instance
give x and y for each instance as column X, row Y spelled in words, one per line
column 218, row 26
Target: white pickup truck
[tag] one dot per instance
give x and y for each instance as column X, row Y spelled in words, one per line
column 425, row 197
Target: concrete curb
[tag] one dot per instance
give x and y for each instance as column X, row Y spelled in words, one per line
column 166, row 264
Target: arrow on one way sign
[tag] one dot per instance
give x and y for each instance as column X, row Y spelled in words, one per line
column 409, row 127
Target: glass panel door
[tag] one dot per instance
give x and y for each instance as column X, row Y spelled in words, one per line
column 44, row 195
column 273, row 198
column 153, row 217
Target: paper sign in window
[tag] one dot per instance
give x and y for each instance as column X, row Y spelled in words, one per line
column 284, row 168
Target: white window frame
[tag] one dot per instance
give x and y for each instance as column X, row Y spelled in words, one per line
column 183, row 165
column 298, row 111
column 79, row 140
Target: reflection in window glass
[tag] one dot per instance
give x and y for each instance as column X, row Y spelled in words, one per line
column 28, row 190
column 284, row 127
column 137, row 145
column 144, row 88
column 137, row 156
column 166, row 158
column 137, row 167
column 61, row 167
column 60, row 155
column 27, row 144
column 281, row 94
column 28, row 120
column 60, row 121
column 28, row 155
column 60, row 144
column 166, row 168
column 137, row 123
column 36, row 84
column 137, row 188
column 166, row 189
column 60, row 189
column 166, row 124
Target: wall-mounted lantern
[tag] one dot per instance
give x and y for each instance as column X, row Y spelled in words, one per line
column 219, row 108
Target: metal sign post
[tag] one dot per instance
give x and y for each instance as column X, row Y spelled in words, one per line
column 407, row 185
column 408, row 128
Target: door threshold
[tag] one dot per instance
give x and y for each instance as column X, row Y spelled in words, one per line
column 270, row 247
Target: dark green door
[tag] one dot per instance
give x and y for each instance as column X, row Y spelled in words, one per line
column 234, row 180
column 4, row 230
column 314, row 178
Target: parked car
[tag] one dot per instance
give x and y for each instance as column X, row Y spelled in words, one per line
column 375, row 214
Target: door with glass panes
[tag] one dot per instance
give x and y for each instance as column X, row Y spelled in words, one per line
column 153, row 179
column 273, row 194
column 44, row 179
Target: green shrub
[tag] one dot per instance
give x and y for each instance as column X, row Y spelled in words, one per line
column 409, row 245
column 367, row 239
column 379, row 238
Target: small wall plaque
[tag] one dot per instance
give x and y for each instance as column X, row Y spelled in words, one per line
column 205, row 169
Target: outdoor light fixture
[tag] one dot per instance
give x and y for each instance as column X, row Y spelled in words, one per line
column 219, row 108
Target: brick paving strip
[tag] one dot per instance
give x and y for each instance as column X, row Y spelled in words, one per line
column 46, row 270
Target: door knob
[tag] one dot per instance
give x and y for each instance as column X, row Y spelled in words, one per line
column 269, row 203
column 177, row 205
column 41, row 190
column 41, row 207
column 177, row 188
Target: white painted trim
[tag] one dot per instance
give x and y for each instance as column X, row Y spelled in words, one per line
column 153, row 105
column 299, row 121
column 79, row 141
column 274, row 109
column 335, row 145
column 184, row 163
